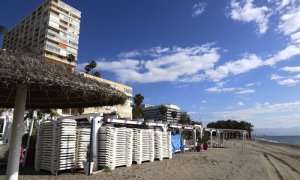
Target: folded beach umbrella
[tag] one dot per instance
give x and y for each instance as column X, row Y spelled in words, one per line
column 28, row 81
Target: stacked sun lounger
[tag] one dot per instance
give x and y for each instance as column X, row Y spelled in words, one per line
column 66, row 144
column 82, row 143
column 167, row 145
column 114, row 147
column 158, row 145
column 55, row 148
column 44, row 147
column 143, row 145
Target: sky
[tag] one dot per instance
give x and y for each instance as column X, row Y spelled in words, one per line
column 215, row 59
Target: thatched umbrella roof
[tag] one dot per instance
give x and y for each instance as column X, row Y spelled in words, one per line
column 28, row 81
column 50, row 85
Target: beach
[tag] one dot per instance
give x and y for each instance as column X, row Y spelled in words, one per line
column 259, row 160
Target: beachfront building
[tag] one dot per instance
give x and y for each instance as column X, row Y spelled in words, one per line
column 52, row 29
column 153, row 113
column 122, row 110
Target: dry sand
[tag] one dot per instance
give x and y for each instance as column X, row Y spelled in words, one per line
column 260, row 160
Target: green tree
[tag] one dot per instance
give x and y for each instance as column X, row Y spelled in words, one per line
column 138, row 99
column 87, row 68
column 174, row 114
column 163, row 110
column 70, row 58
column 185, row 118
column 93, row 65
column 232, row 124
column 137, row 111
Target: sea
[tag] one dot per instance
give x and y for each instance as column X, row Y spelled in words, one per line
column 280, row 139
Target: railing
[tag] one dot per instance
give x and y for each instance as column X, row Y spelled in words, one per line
column 51, row 47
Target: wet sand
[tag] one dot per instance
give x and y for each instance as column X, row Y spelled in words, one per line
column 260, row 160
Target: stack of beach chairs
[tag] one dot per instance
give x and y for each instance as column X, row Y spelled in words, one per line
column 56, row 145
column 44, row 147
column 82, row 144
column 158, row 145
column 114, row 147
column 167, row 145
column 143, row 145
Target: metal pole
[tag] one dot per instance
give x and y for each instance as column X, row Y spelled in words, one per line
column 243, row 143
column 223, row 139
column 12, row 171
column 195, row 137
column 211, row 138
column 219, row 138
column 201, row 132
column 91, row 147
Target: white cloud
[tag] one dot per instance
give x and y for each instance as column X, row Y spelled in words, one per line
column 164, row 64
column 291, row 69
column 130, row 54
column 285, row 54
column 219, row 88
column 152, row 52
column 241, row 103
column 190, row 64
column 246, row 91
column 252, row 84
column 128, row 64
column 203, row 101
column 266, row 103
column 290, row 22
column 247, row 12
column 243, row 65
column 198, row 8
column 296, row 38
column 276, row 77
column 286, row 81
column 283, row 3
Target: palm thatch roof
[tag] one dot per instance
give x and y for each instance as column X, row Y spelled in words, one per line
column 50, row 85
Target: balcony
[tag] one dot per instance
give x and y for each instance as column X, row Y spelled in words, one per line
column 61, row 60
column 56, row 38
column 51, row 47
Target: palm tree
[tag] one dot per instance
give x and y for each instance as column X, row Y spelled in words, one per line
column 137, row 112
column 3, row 30
column 138, row 99
column 163, row 110
column 87, row 68
column 174, row 114
column 70, row 58
column 93, row 64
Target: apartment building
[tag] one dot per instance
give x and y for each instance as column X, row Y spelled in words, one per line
column 123, row 110
column 52, row 30
column 153, row 113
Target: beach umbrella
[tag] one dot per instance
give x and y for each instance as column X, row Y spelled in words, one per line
column 29, row 81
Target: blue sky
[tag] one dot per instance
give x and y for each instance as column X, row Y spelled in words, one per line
column 215, row 59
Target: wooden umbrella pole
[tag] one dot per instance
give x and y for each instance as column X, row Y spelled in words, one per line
column 16, row 134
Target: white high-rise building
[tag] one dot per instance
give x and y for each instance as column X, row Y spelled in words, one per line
column 52, row 29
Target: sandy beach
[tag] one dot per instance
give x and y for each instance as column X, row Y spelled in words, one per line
column 260, row 160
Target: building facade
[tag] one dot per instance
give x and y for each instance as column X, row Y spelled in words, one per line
column 52, row 30
column 153, row 113
column 122, row 110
